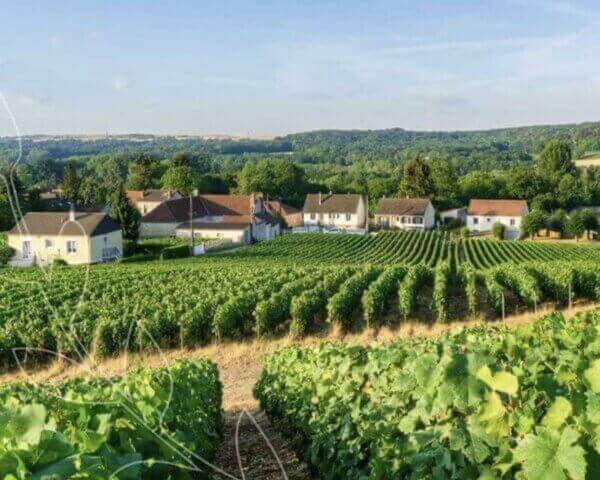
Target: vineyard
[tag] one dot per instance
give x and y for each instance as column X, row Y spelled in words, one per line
column 185, row 304
column 481, row 403
column 428, row 248
column 149, row 424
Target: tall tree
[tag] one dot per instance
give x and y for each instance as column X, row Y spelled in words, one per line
column 556, row 158
column 125, row 214
column 417, row 181
column 142, row 172
column 589, row 220
column 181, row 179
column 70, row 184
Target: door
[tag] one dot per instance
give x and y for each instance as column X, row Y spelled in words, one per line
column 26, row 249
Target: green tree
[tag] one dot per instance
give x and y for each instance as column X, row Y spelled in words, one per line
column 125, row 214
column 479, row 185
column 142, row 172
column 556, row 158
column 524, row 183
column 88, row 193
column 533, row 222
column 575, row 225
column 70, row 184
column 589, row 220
column 445, row 182
column 557, row 222
column 570, row 191
column 417, row 181
column 180, row 179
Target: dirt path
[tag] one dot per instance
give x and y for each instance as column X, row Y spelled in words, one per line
column 239, row 368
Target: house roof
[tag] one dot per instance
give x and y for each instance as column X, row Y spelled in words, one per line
column 276, row 206
column 178, row 210
column 402, row 206
column 151, row 195
column 503, row 208
column 331, row 203
column 58, row 223
column 213, row 226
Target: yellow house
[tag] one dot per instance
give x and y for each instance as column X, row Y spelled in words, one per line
column 75, row 237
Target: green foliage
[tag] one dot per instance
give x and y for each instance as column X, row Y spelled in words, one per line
column 377, row 298
column 140, row 426
column 182, row 179
column 464, row 232
column 417, row 181
column 480, row 403
column 556, row 158
column 442, row 278
column 498, row 231
column 408, row 290
column 70, row 184
column 343, row 304
column 125, row 214
column 533, row 222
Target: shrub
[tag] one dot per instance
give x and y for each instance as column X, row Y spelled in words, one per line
column 464, row 232
column 498, row 231
column 176, row 251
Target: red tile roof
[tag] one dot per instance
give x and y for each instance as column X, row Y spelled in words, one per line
column 502, row 208
column 178, row 210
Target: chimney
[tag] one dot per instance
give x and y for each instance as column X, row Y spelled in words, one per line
column 320, row 199
column 72, row 212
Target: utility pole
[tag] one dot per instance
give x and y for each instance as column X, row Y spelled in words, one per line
column 191, row 225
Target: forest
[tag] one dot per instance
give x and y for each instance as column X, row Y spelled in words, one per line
column 533, row 163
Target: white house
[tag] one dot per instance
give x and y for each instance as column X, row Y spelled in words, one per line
column 405, row 213
column 39, row 238
column 483, row 214
column 343, row 211
column 239, row 218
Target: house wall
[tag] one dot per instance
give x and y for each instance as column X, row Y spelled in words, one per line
column 88, row 249
column 355, row 219
column 294, row 220
column 265, row 231
column 149, row 229
column 146, row 207
column 113, row 246
column 395, row 221
column 238, row 236
column 485, row 224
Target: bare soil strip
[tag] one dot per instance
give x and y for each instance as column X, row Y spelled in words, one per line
column 239, row 367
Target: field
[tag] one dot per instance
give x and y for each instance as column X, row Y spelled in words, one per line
column 478, row 404
column 297, row 284
column 482, row 403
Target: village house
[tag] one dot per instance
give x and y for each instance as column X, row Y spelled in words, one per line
column 147, row 200
column 292, row 216
column 39, row 238
column 343, row 211
column 238, row 218
column 405, row 213
column 483, row 214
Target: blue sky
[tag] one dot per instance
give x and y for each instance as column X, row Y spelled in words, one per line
column 273, row 67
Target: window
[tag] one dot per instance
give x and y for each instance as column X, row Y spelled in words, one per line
column 418, row 220
column 475, row 221
column 403, row 220
column 313, row 216
column 512, row 222
column 71, row 246
column 348, row 217
column 488, row 219
column 48, row 243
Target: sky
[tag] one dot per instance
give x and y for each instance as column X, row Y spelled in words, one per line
column 276, row 66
